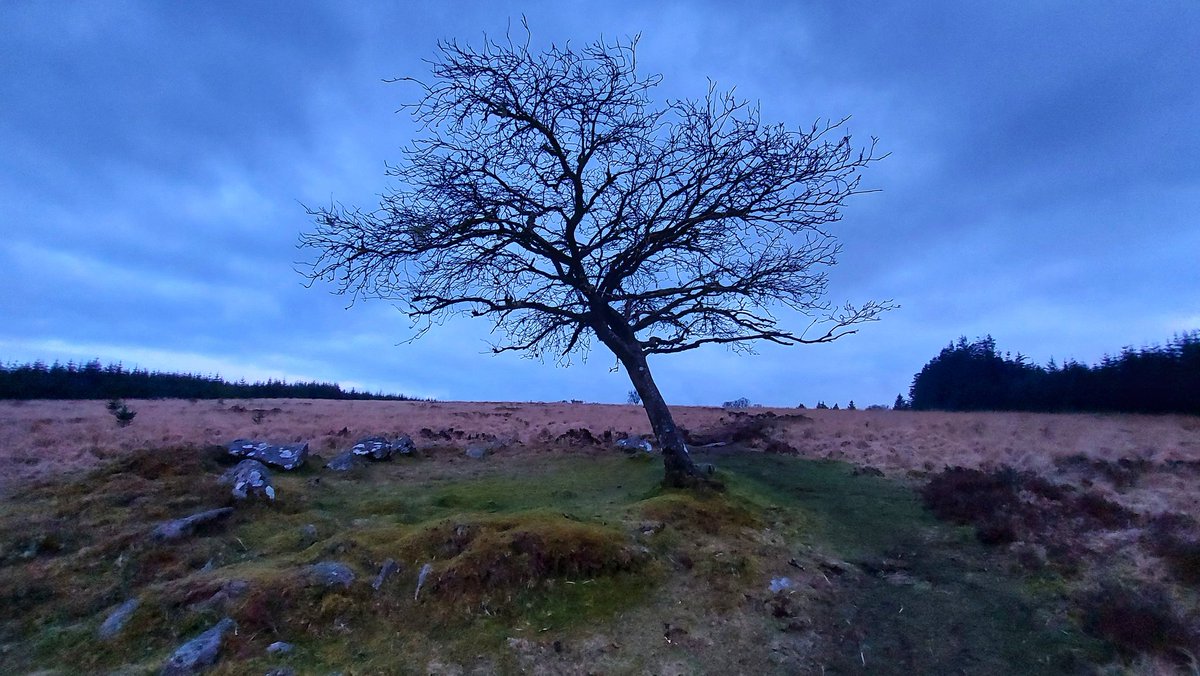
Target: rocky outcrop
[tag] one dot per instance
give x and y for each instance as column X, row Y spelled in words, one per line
column 249, row 478
column 285, row 456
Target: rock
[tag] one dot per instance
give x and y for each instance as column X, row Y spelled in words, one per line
column 635, row 444
column 779, row 584
column 344, row 462
column 286, row 456
column 425, row 571
column 281, row 671
column 230, row 591
column 478, row 451
column 379, row 448
column 308, row 534
column 116, row 620
column 329, row 574
column 390, row 566
column 176, row 529
column 200, row 652
column 280, row 648
column 250, row 478
column 706, row 468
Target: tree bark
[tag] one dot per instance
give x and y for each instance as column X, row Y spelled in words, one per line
column 679, row 470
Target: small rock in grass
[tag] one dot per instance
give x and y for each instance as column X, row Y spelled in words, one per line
column 116, row 620
column 330, row 574
column 477, row 451
column 779, row 584
column 280, row 648
column 635, row 444
column 281, row 671
column 176, row 529
column 390, row 566
column 200, row 652
column 344, row 462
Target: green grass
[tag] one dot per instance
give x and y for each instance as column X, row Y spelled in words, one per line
column 549, row 548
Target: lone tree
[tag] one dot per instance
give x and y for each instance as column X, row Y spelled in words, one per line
column 548, row 193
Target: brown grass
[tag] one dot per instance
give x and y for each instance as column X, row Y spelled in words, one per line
column 43, row 437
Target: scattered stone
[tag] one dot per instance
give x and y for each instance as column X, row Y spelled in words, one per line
column 425, row 571
column 344, row 462
column 390, row 566
column 308, row 534
column 200, row 652
column 478, row 451
column 379, row 448
column 176, row 529
column 280, row 648
column 116, row 620
column 779, row 584
column 635, row 444
column 231, row 590
column 281, row 671
column 250, row 478
column 285, row 456
column 706, row 468
column 330, row 574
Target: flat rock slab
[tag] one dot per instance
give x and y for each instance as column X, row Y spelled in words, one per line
column 284, row 456
column 249, row 478
column 176, row 529
column 379, row 448
column 199, row 653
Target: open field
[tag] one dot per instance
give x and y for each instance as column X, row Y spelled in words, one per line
column 40, row 437
column 560, row 554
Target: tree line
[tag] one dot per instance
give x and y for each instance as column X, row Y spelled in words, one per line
column 92, row 380
column 973, row 376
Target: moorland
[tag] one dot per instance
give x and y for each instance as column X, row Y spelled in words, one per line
column 842, row 542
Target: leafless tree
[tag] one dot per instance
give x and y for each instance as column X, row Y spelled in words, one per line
column 548, row 193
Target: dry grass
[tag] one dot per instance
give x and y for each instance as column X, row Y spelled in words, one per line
column 43, row 437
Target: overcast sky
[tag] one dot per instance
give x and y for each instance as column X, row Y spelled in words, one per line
column 1043, row 184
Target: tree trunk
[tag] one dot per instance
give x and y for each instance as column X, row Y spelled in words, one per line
column 678, row 467
column 615, row 333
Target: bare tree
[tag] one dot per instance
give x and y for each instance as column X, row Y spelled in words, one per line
column 547, row 193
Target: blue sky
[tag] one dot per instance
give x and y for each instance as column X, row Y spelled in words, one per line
column 1043, row 184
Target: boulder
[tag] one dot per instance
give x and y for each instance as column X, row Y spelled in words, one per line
column 478, row 451
column 176, row 529
column 344, row 462
column 249, row 478
column 116, row 620
column 329, row 574
column 285, row 456
column 200, row 652
column 379, row 448
column 635, row 444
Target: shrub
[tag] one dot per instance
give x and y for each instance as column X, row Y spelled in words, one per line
column 122, row 413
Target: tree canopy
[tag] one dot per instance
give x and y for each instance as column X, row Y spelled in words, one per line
column 549, row 193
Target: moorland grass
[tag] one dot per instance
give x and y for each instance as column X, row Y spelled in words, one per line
column 554, row 546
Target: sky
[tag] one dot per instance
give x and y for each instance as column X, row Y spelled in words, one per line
column 1043, row 182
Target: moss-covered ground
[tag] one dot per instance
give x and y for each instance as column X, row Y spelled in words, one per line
column 539, row 559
